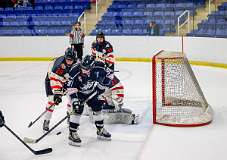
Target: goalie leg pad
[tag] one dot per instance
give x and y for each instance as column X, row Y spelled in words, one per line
column 124, row 116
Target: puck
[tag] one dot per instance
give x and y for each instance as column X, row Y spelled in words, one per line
column 58, row 133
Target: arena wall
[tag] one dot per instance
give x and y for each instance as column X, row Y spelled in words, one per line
column 200, row 50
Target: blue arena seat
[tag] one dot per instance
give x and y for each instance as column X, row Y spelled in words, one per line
column 132, row 16
column 214, row 26
column 46, row 13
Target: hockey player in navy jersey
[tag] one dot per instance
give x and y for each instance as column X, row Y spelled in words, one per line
column 55, row 82
column 85, row 81
column 102, row 50
column 113, row 99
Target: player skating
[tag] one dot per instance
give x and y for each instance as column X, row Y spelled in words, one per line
column 86, row 80
column 55, row 81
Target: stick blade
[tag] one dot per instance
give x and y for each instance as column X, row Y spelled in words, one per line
column 29, row 140
column 30, row 124
column 43, row 151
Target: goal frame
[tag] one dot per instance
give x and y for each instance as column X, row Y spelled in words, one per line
column 154, row 95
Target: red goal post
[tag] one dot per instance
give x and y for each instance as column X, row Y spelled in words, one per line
column 177, row 97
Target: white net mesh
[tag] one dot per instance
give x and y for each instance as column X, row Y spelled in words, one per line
column 178, row 98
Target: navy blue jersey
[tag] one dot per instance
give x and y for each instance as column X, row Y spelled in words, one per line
column 85, row 84
column 104, row 47
column 109, row 73
column 103, row 52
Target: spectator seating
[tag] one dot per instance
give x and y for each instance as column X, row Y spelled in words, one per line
column 49, row 17
column 132, row 17
column 215, row 25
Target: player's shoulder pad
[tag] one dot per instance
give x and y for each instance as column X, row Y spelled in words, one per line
column 99, row 64
column 57, row 63
column 99, row 71
column 60, row 59
column 74, row 70
column 107, row 44
column 99, row 67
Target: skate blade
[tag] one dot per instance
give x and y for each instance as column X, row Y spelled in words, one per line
column 74, row 144
column 45, row 131
column 103, row 138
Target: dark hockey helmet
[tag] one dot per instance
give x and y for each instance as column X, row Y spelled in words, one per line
column 87, row 62
column 100, row 35
column 70, row 54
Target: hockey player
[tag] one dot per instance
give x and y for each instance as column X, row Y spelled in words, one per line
column 55, row 82
column 113, row 98
column 113, row 110
column 86, row 80
column 102, row 50
column 2, row 120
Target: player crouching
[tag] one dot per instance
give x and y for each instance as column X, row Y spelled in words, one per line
column 113, row 110
column 113, row 98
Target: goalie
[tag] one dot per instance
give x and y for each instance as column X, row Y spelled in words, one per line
column 113, row 99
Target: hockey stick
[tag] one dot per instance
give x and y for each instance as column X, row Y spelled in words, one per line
column 31, row 123
column 39, row 152
column 30, row 140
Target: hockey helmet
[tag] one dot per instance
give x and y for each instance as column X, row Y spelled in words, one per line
column 87, row 62
column 100, row 35
column 70, row 54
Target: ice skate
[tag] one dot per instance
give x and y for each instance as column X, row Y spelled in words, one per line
column 103, row 134
column 74, row 139
column 46, row 125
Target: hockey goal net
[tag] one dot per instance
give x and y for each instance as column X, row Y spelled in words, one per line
column 177, row 97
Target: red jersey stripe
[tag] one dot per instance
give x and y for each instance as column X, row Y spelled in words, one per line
column 55, row 79
column 116, row 88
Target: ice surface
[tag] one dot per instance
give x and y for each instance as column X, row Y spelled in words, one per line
column 22, row 99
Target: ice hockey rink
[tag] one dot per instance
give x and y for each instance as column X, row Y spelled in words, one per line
column 22, row 99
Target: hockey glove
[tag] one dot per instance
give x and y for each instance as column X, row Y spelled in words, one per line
column 57, row 99
column 2, row 121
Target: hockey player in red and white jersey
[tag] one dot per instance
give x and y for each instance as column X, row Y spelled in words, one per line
column 102, row 50
column 55, row 82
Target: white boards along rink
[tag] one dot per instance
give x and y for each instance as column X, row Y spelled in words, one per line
column 196, row 48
